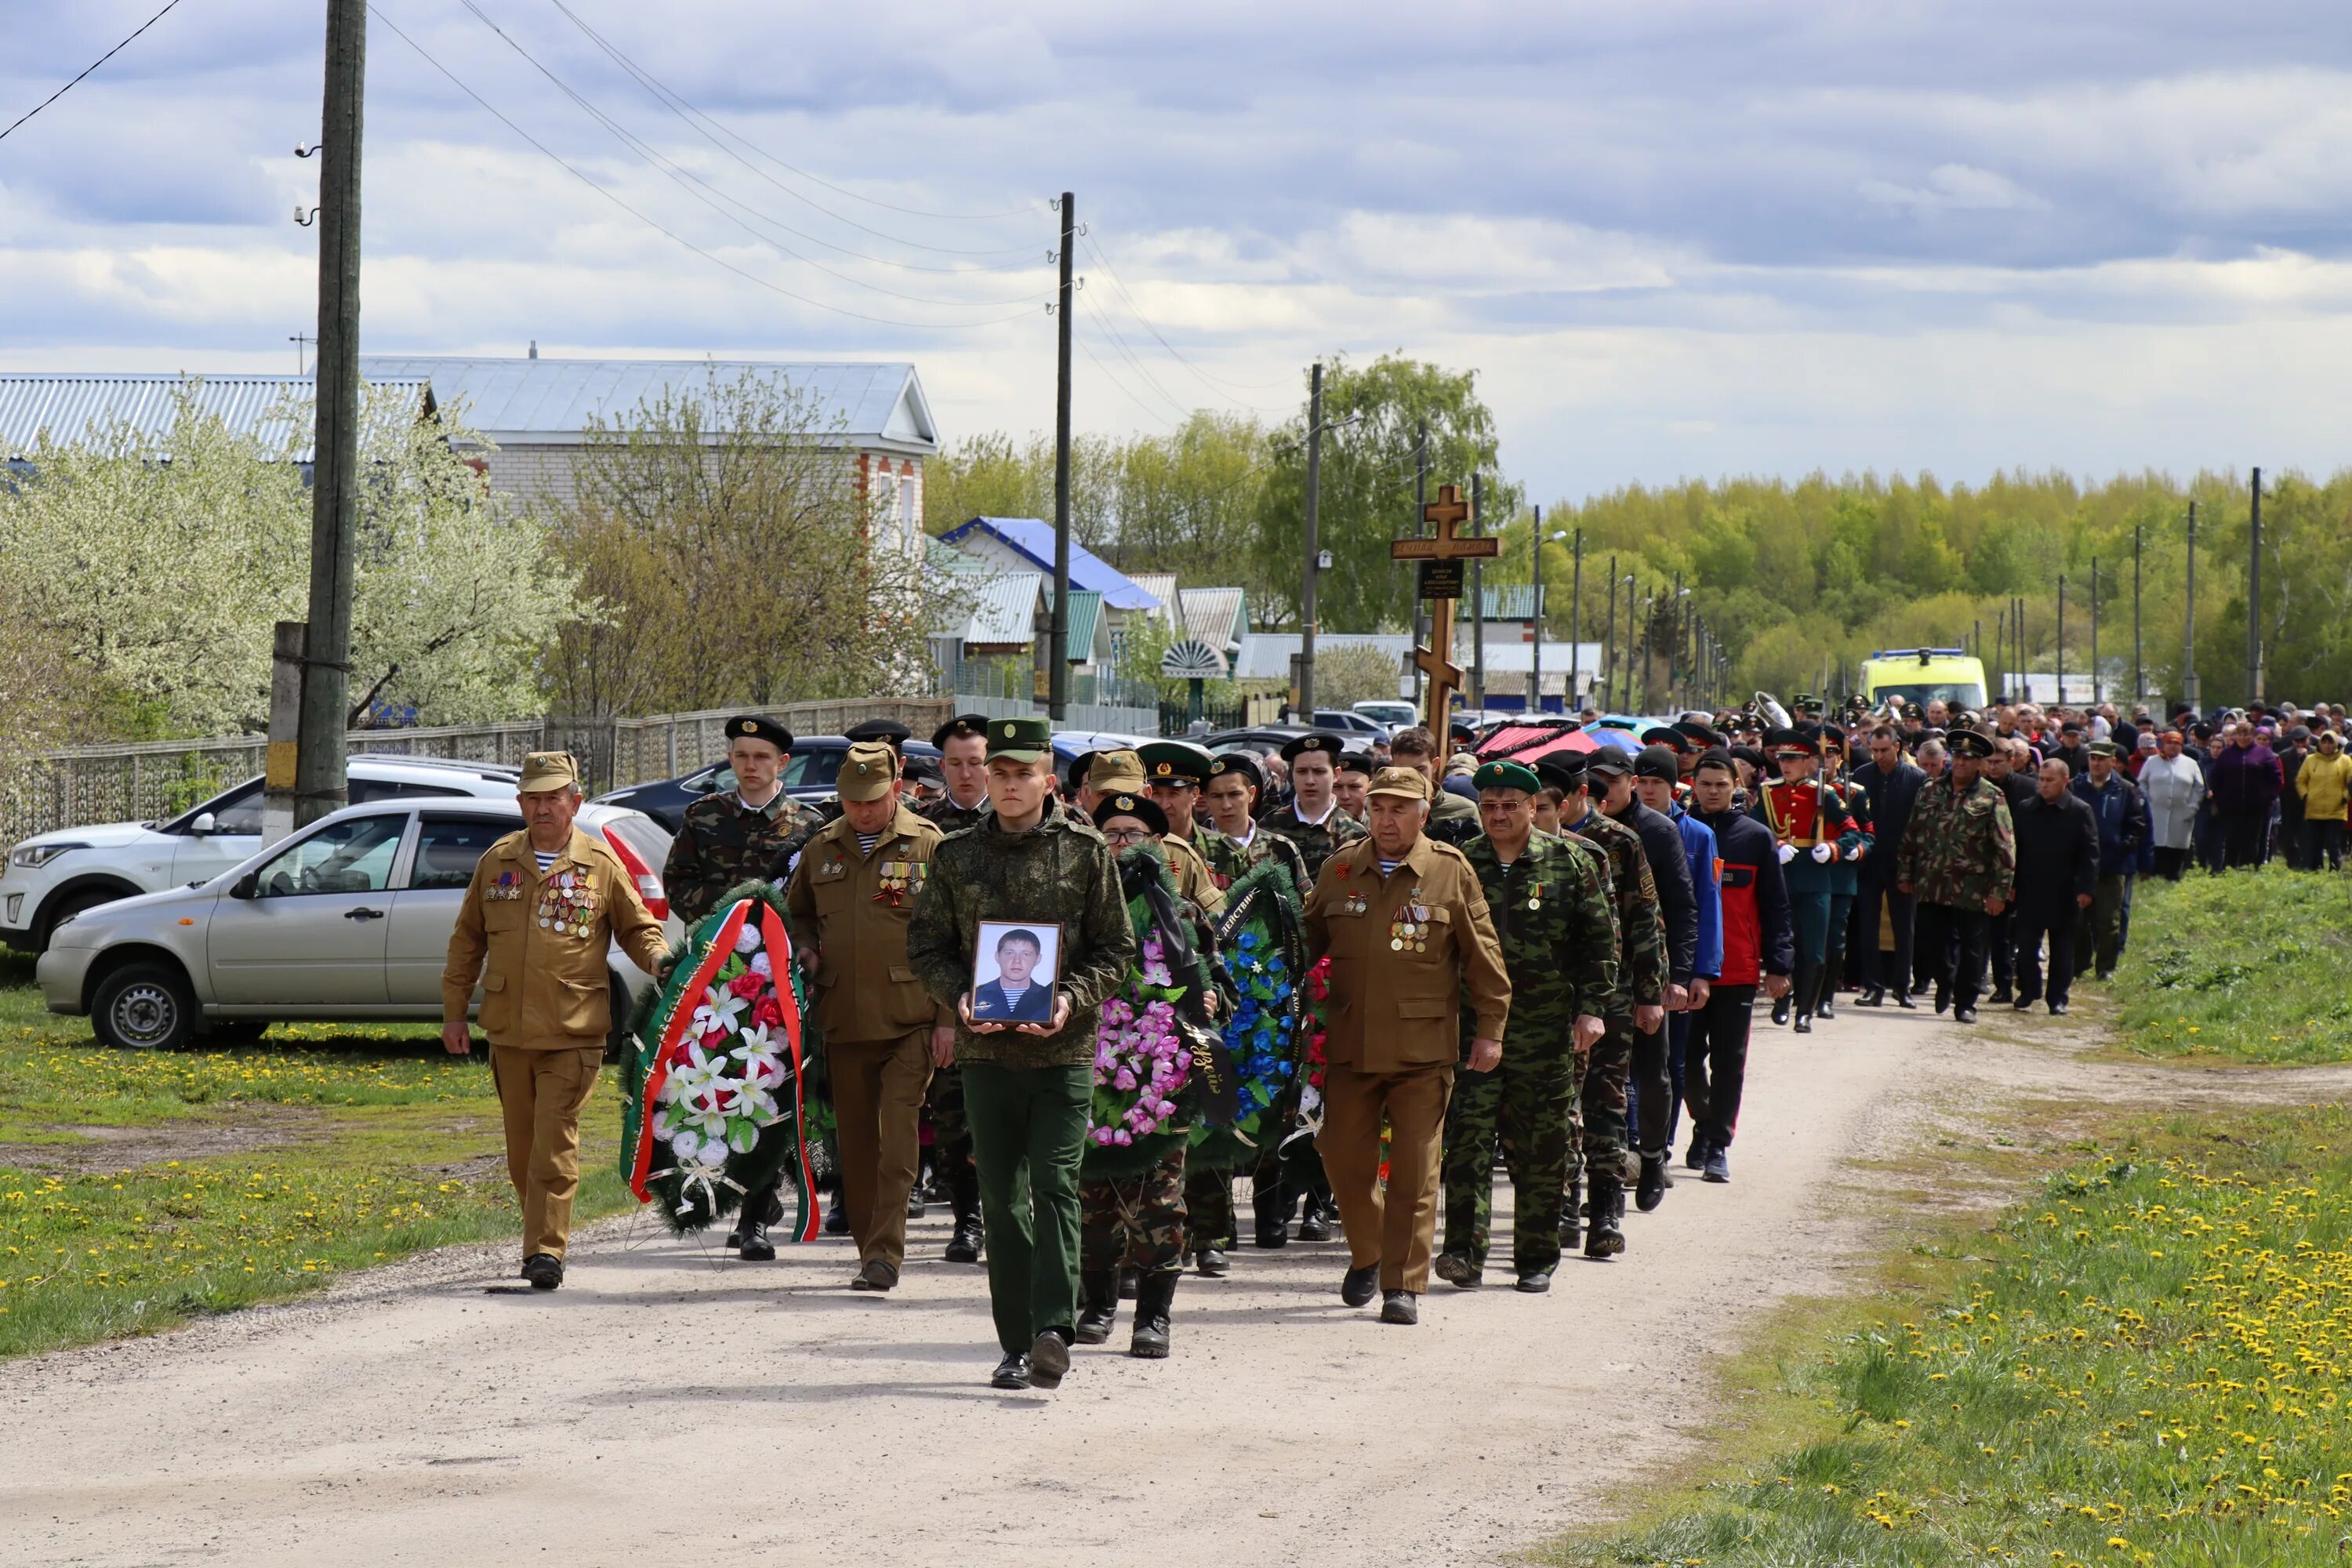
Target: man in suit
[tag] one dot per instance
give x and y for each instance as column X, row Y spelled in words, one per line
column 1891, row 783
column 1014, row 996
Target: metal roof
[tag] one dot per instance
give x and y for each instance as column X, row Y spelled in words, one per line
column 1214, row 616
column 1160, row 586
column 1033, row 540
column 548, row 401
column 1002, row 609
column 1085, row 622
column 76, row 409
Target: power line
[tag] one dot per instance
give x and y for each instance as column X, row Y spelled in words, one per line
column 659, row 227
column 680, row 176
column 1123, row 390
column 93, row 66
column 1215, row 381
column 686, row 110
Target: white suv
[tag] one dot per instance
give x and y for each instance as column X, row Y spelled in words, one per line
column 52, row 877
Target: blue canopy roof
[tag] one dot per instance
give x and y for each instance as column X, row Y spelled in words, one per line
column 1035, row 540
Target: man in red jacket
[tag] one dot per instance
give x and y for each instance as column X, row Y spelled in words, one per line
column 1759, row 951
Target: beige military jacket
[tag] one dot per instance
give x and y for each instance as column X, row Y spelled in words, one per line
column 1403, row 949
column 538, row 943
column 855, row 908
column 1194, row 879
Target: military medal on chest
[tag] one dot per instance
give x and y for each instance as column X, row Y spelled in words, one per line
column 567, row 901
column 1409, row 931
column 1535, row 897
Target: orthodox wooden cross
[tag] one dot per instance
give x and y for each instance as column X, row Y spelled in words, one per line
column 1441, row 559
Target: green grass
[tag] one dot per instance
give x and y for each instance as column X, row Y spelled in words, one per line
column 2246, row 967
column 2153, row 1365
column 345, row 1148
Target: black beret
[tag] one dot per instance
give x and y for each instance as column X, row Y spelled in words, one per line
column 961, row 724
column 1358, row 763
column 1141, row 807
column 756, row 727
column 889, row 732
column 1242, row 762
column 1328, row 745
column 1078, row 766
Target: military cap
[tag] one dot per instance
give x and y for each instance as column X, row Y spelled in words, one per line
column 1141, row 807
column 1564, row 770
column 1832, row 735
column 1749, row 754
column 1609, row 759
column 1327, row 745
column 1970, row 743
column 1076, row 775
column 2105, row 749
column 1506, row 775
column 1023, row 740
column 1699, row 732
column 1410, row 783
column 1115, row 771
column 1776, row 739
column 961, row 724
column 1358, row 763
column 919, row 769
column 1173, row 763
column 1719, row 757
column 1658, row 762
column 1667, row 735
column 889, row 732
column 1239, row 761
column 867, row 771
column 757, row 727
column 548, row 769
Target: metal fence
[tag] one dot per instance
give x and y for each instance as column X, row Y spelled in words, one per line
column 148, row 780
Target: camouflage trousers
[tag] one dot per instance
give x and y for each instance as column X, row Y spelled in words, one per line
column 1209, row 1211
column 1134, row 1222
column 1601, row 1096
column 950, row 1129
column 1527, row 1104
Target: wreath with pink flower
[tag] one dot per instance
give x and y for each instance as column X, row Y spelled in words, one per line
column 1151, row 1035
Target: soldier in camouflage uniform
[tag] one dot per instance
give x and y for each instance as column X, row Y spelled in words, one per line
column 1560, row 945
column 747, row 834
column 1638, row 1002
column 963, row 744
column 1959, row 856
column 1028, row 1087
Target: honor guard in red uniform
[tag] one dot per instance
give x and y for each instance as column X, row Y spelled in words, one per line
column 1814, row 829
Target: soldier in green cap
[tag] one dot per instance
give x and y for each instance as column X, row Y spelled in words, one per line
column 1959, row 854
column 1558, row 932
column 1028, row 1087
column 963, row 744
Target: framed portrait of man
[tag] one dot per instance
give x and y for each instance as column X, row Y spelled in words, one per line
column 1015, row 968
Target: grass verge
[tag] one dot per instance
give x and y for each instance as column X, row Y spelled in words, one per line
column 2245, row 967
column 2151, row 1364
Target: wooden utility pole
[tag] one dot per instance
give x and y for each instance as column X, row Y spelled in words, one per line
column 1608, row 641
column 1535, row 652
column 2190, row 692
column 2139, row 649
column 2255, row 595
column 2097, row 693
column 1478, row 596
column 1314, row 560
column 1575, row 618
column 319, row 761
column 1441, row 557
column 2061, row 699
column 1057, row 643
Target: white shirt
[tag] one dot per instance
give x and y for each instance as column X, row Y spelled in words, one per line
column 1314, row 821
column 1244, row 838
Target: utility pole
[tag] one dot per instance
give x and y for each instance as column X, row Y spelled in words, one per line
column 1420, row 499
column 2060, row 698
column 2189, row 693
column 1575, row 624
column 1609, row 643
column 1314, row 558
column 1057, row 676
column 2001, row 657
column 1477, row 597
column 2254, row 595
column 2139, row 651
column 2094, row 632
column 317, row 762
column 1674, row 627
column 1535, row 652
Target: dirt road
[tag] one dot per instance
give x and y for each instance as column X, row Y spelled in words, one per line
column 663, row 1408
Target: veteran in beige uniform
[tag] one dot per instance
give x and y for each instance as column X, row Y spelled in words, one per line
column 1404, row 920
column 851, row 897
column 544, row 906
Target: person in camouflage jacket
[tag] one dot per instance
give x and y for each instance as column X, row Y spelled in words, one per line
column 1959, row 856
column 963, row 746
column 1558, row 932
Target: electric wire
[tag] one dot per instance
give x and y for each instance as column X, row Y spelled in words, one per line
column 686, row 110
column 91, row 66
column 656, row 226
column 1219, row 382
column 686, row 180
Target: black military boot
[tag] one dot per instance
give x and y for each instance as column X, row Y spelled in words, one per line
column 1824, row 1004
column 1651, row 1190
column 964, row 1197
column 1097, row 1304
column 836, row 1212
column 1315, row 1223
column 1605, row 1237
column 755, row 1246
column 1807, row 981
column 1571, row 1213
column 1272, row 1205
column 1126, row 1284
column 1154, row 1293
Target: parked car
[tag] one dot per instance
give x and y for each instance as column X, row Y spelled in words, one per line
column 1346, row 721
column 52, row 877
column 1395, row 714
column 348, row 921
column 1259, row 738
column 808, row 777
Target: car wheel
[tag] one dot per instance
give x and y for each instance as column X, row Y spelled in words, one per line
column 143, row 1007
column 77, row 903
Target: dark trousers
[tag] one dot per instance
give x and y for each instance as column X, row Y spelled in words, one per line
column 1654, row 1090
column 1716, row 1071
column 1834, row 950
column 2056, row 921
column 2322, row 841
column 2171, row 864
column 2245, row 840
column 2099, row 930
column 1678, row 1034
column 2000, row 947
column 1887, row 970
column 1028, row 1136
column 1955, row 939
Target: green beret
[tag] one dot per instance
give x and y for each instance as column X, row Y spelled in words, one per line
column 1506, row 775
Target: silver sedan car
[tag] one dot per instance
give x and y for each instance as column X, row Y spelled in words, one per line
column 348, row 920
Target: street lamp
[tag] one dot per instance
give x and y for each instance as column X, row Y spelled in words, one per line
column 1535, row 684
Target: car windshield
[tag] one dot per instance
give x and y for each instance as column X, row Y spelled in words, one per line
column 1918, row 694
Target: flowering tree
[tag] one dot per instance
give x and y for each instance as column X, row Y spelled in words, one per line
column 158, row 562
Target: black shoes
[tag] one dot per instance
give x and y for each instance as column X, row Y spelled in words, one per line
column 1013, row 1372
column 1781, row 1008
column 1213, row 1263
column 1098, row 1305
column 1537, row 1283
column 1942, row 1001
column 544, row 1270
column 1999, row 995
column 1358, row 1286
column 915, row 1206
column 1272, row 1206
column 1456, row 1269
column 964, row 1245
column 1697, row 1158
column 1822, row 1008
column 1964, row 1015
column 1718, row 1165
column 1604, row 1237
column 1049, row 1358
column 1154, row 1294
column 755, row 1246
column 1804, row 1025
column 1650, row 1191
column 1399, row 1307
column 2023, row 1003
column 1903, row 1000
column 1314, row 1225
column 1876, row 996
column 836, row 1217
column 2057, row 1009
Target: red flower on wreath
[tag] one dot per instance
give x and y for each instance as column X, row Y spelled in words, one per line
column 1319, row 990
column 747, row 984
column 767, row 1010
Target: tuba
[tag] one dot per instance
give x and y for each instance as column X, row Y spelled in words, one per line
column 1772, row 712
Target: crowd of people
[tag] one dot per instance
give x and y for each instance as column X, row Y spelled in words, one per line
column 1546, row 947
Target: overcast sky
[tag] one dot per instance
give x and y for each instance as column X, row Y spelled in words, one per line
column 1672, row 238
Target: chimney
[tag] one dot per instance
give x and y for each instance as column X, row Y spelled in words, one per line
column 534, row 348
